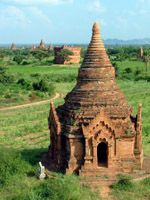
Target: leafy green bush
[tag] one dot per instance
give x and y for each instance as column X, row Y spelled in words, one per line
column 124, row 183
column 117, row 72
column 18, row 59
column 11, row 163
column 137, row 72
column 146, row 182
column 128, row 70
column 65, row 54
column 43, row 86
column 40, row 53
column 5, row 77
column 35, row 75
column 25, row 84
column 7, row 96
column 65, row 188
column 61, row 78
column 143, row 77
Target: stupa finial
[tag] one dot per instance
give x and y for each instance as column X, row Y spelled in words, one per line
column 96, row 28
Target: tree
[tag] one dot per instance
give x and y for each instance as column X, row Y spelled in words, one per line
column 5, row 78
column 146, row 61
column 83, row 52
column 65, row 54
column 1, row 54
column 18, row 59
column 40, row 54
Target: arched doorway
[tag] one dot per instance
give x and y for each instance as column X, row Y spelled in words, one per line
column 102, row 154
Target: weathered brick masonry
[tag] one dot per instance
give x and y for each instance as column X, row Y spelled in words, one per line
column 75, row 58
column 95, row 132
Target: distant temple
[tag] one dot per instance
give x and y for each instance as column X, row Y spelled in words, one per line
column 75, row 58
column 140, row 54
column 13, row 46
column 42, row 45
column 95, row 132
column 50, row 47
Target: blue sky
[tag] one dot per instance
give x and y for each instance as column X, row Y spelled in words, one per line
column 70, row 21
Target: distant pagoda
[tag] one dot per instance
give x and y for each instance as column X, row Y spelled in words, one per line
column 95, row 132
column 140, row 53
column 42, row 45
column 13, row 46
column 50, row 47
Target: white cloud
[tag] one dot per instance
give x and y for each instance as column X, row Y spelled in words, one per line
column 36, row 2
column 122, row 20
column 143, row 12
column 102, row 22
column 132, row 13
column 143, row 3
column 96, row 6
column 13, row 16
column 36, row 11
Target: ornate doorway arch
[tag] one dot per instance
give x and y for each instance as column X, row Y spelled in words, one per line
column 102, row 154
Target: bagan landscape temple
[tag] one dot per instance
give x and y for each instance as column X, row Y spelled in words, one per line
column 42, row 45
column 50, row 47
column 94, row 132
column 13, row 46
column 75, row 58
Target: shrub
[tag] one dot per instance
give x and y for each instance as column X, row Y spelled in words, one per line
column 25, row 84
column 25, row 62
column 40, row 54
column 146, row 182
column 43, row 86
column 64, row 188
column 143, row 77
column 7, row 96
column 35, row 75
column 115, row 65
column 18, row 59
column 5, row 77
column 137, row 72
column 65, row 54
column 12, row 163
column 127, row 131
column 128, row 70
column 124, row 183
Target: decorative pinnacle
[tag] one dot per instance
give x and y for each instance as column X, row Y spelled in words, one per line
column 96, row 28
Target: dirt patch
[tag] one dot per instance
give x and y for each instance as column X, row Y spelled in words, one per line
column 37, row 140
column 31, row 104
column 105, row 193
column 27, row 137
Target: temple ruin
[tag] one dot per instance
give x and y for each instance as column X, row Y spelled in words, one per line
column 50, row 47
column 140, row 53
column 94, row 132
column 75, row 58
column 13, row 46
column 42, row 45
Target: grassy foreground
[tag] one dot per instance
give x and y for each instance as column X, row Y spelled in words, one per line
column 24, row 138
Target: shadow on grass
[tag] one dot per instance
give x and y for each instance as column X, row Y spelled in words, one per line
column 33, row 156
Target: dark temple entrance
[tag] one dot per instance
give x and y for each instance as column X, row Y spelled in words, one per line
column 102, row 154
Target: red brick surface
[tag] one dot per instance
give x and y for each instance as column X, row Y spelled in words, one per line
column 94, row 132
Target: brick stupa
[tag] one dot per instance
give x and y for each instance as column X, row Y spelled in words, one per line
column 50, row 47
column 95, row 132
column 13, row 46
column 42, row 45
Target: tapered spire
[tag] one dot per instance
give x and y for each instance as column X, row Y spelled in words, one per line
column 96, row 87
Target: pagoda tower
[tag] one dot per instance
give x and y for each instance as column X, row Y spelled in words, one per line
column 13, row 46
column 95, row 132
column 50, row 47
column 42, row 45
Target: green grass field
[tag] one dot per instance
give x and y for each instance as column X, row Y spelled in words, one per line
column 24, row 135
